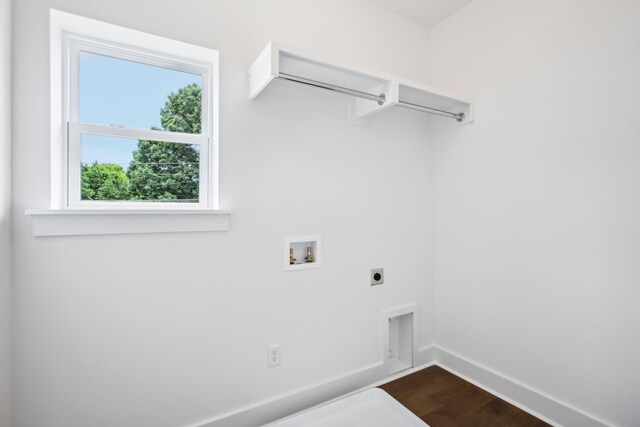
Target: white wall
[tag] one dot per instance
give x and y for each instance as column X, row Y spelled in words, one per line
column 172, row 330
column 5, row 209
column 537, row 204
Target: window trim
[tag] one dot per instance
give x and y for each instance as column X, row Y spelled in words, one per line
column 91, row 222
column 70, row 32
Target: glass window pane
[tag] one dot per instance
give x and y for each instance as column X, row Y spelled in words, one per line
column 119, row 92
column 123, row 169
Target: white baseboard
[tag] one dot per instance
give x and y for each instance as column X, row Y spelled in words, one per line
column 270, row 410
column 526, row 398
column 425, row 356
column 298, row 400
column 520, row 395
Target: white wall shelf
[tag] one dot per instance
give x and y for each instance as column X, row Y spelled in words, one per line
column 371, row 92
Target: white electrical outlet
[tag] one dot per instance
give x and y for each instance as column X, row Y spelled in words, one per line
column 273, row 355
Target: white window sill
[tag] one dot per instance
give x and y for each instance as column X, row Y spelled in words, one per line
column 79, row 222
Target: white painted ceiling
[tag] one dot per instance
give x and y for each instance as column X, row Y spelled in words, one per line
column 425, row 12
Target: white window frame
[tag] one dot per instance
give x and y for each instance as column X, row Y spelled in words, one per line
column 71, row 34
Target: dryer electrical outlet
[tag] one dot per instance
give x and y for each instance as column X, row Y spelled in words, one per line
column 376, row 276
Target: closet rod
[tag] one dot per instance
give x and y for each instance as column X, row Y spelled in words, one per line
column 290, row 77
column 380, row 99
column 458, row 116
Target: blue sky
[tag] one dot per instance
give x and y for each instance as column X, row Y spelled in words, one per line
column 118, row 92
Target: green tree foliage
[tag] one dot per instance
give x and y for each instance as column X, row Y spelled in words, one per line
column 102, row 181
column 164, row 170
column 183, row 110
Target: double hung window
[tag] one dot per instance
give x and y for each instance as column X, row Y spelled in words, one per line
column 138, row 124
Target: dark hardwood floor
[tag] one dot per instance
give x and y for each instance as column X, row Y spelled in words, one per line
column 442, row 399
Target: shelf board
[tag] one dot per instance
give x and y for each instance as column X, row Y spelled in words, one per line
column 277, row 58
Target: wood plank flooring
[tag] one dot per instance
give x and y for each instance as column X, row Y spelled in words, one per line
column 442, row 399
